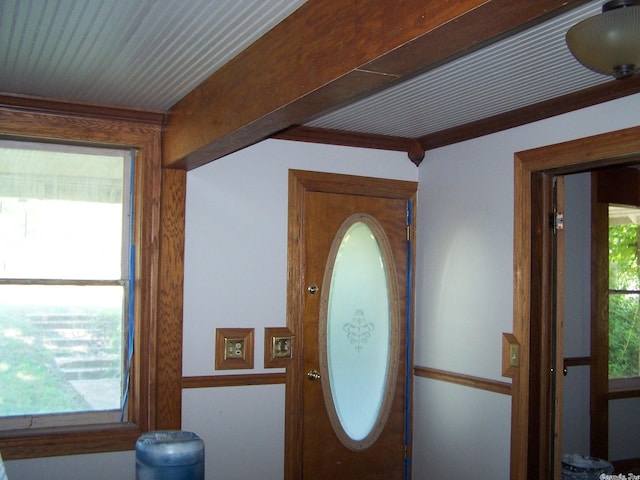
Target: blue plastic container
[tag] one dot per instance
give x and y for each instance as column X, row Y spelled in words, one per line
column 169, row 455
column 580, row 467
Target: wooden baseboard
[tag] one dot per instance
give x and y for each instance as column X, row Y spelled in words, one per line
column 466, row 380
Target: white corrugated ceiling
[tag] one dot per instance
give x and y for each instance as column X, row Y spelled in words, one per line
column 150, row 53
column 140, row 53
column 530, row 67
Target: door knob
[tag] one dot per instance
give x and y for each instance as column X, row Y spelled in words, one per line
column 313, row 375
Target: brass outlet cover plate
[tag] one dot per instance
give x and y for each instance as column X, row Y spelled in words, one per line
column 234, row 348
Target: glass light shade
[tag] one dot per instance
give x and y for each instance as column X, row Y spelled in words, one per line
column 608, row 43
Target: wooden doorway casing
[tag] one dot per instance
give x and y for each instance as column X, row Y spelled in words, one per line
column 533, row 173
column 300, row 183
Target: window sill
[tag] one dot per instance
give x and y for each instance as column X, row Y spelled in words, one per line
column 58, row 441
column 624, row 388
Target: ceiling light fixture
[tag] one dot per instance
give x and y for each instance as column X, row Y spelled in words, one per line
column 609, row 43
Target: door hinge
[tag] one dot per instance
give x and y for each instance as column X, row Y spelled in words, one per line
column 408, row 233
column 556, row 221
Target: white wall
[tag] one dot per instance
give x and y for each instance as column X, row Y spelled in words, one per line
column 577, row 312
column 242, row 429
column 236, row 238
column 624, row 424
column 235, row 276
column 464, row 291
column 99, row 466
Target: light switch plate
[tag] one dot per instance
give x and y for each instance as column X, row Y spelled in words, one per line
column 282, row 347
column 278, row 347
column 514, row 355
column 510, row 355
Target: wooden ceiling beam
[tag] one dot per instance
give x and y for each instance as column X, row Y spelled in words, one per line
column 324, row 55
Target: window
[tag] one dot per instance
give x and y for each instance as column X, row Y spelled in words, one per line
column 624, row 293
column 64, row 284
column 157, row 232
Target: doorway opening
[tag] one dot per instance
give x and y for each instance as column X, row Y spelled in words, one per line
column 600, row 397
column 533, row 422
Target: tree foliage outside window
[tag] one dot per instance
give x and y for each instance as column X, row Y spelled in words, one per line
column 624, row 300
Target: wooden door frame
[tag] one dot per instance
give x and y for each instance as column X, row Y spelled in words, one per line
column 533, row 172
column 301, row 182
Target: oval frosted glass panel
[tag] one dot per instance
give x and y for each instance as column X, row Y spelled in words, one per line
column 358, row 331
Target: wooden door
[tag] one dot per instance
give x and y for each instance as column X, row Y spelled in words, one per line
column 326, row 206
column 546, row 330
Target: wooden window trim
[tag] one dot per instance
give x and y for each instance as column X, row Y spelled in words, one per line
column 624, row 388
column 155, row 391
